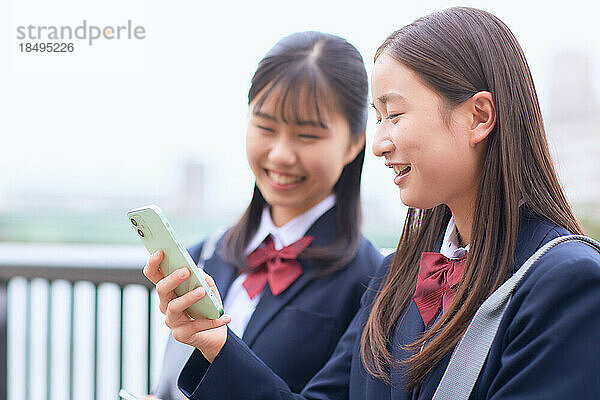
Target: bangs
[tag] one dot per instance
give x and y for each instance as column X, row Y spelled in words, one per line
column 297, row 96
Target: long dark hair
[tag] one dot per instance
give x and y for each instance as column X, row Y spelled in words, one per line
column 457, row 53
column 326, row 67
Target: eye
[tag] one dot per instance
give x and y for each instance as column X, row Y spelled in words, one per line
column 377, row 116
column 392, row 116
column 308, row 136
column 265, row 128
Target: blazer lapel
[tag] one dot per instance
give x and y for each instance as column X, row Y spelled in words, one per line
column 323, row 231
column 269, row 306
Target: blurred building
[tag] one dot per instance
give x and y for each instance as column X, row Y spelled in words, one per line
column 573, row 128
column 185, row 197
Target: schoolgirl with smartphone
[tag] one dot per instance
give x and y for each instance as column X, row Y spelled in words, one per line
column 461, row 127
column 293, row 269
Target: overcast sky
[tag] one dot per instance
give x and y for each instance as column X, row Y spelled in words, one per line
column 121, row 116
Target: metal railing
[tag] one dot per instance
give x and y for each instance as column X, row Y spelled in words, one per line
column 97, row 264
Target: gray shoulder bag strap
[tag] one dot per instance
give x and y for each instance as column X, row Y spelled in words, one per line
column 471, row 351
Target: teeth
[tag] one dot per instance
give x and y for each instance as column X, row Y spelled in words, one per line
column 398, row 169
column 283, row 179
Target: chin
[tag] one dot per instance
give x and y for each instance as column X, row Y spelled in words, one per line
column 416, row 202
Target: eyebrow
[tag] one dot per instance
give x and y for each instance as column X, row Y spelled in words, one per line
column 383, row 99
column 316, row 124
column 263, row 115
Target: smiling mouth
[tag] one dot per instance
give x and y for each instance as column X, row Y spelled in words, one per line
column 284, row 179
column 401, row 169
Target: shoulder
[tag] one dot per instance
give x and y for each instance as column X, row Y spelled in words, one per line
column 196, row 249
column 377, row 279
column 550, row 322
column 567, row 261
column 564, row 281
column 361, row 268
column 368, row 256
column 384, row 266
column 367, row 260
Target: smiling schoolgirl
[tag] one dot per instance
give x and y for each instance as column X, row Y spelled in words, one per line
column 461, row 127
column 293, row 269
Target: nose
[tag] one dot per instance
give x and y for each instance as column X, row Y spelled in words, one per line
column 282, row 152
column 382, row 143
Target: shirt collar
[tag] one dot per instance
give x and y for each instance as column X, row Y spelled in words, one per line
column 293, row 230
column 450, row 245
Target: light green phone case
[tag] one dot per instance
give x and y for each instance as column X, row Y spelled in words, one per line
column 151, row 225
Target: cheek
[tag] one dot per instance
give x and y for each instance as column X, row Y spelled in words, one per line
column 446, row 167
column 325, row 166
column 255, row 148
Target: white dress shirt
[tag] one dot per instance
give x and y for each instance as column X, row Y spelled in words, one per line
column 450, row 245
column 237, row 302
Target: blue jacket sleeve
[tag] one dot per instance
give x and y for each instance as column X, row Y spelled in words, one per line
column 237, row 373
column 551, row 348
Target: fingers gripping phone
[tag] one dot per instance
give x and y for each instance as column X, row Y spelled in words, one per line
column 153, row 228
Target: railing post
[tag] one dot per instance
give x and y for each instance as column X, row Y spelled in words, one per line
column 149, row 345
column 121, row 323
column 96, row 297
column 72, row 343
column 3, row 340
column 49, row 343
column 28, row 341
column 96, row 264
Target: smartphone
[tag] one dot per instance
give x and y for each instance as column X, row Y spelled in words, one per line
column 152, row 227
column 124, row 394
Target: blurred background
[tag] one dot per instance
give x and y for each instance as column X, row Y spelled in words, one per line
column 119, row 124
column 80, row 147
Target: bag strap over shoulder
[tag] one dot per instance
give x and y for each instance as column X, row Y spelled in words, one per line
column 471, row 351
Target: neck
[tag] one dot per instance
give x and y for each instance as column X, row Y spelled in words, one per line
column 462, row 212
column 281, row 216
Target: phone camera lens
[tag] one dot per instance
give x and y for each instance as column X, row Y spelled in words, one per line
column 134, row 222
column 140, row 233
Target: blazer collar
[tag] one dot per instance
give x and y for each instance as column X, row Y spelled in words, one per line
column 533, row 233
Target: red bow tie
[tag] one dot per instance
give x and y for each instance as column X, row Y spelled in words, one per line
column 436, row 283
column 278, row 267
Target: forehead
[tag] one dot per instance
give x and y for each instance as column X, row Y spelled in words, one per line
column 296, row 103
column 393, row 82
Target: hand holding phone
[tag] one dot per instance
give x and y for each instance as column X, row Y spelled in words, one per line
column 207, row 335
column 156, row 233
column 188, row 297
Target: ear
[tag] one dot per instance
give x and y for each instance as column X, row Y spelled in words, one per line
column 483, row 117
column 356, row 145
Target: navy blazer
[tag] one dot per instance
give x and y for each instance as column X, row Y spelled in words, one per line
column 547, row 345
column 296, row 332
